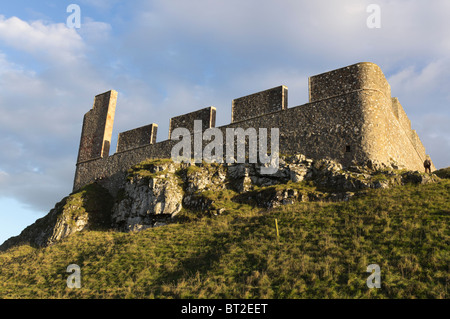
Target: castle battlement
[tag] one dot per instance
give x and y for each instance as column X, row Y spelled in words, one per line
column 350, row 117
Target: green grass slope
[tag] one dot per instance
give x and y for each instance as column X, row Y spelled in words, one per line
column 322, row 251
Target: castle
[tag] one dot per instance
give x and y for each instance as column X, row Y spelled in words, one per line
column 350, row 118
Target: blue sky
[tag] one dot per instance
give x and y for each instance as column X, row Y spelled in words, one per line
column 170, row 57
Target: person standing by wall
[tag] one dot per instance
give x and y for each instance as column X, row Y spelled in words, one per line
column 427, row 164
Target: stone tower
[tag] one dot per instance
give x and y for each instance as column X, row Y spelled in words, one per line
column 97, row 128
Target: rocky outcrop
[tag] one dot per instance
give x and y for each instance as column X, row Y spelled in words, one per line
column 148, row 200
column 90, row 208
column 157, row 190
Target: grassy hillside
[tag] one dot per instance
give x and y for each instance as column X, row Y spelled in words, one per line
column 322, row 252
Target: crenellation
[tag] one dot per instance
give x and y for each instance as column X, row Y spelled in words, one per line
column 206, row 115
column 350, row 118
column 138, row 137
column 260, row 103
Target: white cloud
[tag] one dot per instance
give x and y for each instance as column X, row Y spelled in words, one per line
column 42, row 106
column 53, row 42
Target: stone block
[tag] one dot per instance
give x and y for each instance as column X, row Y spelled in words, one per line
column 260, row 103
column 206, row 115
column 138, row 137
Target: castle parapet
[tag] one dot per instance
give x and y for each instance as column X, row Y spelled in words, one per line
column 97, row 128
column 260, row 103
column 360, row 76
column 138, row 137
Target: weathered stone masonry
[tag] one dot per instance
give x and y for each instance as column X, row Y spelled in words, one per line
column 259, row 103
column 138, row 137
column 351, row 117
column 207, row 116
column 97, row 128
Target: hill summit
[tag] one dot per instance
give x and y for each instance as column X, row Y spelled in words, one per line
column 156, row 191
column 215, row 231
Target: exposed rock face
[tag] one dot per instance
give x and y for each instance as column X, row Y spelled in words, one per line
column 153, row 196
column 65, row 226
column 148, row 202
column 157, row 190
column 90, row 208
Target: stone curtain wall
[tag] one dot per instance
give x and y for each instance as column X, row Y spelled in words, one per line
column 352, row 118
column 418, row 144
column 304, row 129
column 260, row 103
column 97, row 127
column 405, row 124
column 400, row 114
column 112, row 170
column 138, row 137
column 389, row 138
